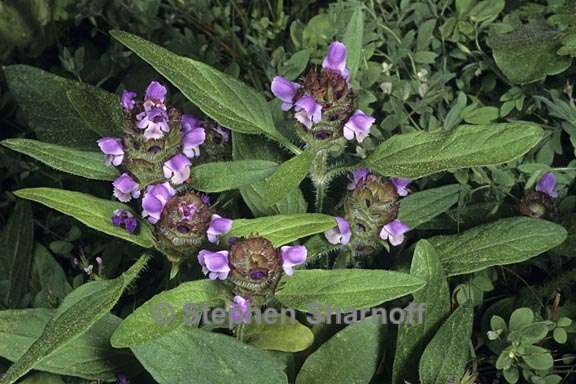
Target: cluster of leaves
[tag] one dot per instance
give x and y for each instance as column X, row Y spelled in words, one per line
column 473, row 98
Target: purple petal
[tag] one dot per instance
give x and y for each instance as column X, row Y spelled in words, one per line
column 225, row 133
column 192, row 140
column 394, row 232
column 189, row 123
column 218, row 226
column 547, row 185
column 154, row 122
column 358, row 176
column 125, row 188
column 112, row 148
column 177, row 169
column 239, row 309
column 341, row 234
column 127, row 100
column 187, row 211
column 335, row 60
column 123, row 217
column 155, row 199
column 214, row 264
column 131, row 224
column 308, row 111
column 156, row 92
column 292, row 256
column 285, row 90
column 400, row 185
column 358, row 125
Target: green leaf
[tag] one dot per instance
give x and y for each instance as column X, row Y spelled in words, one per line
column 482, row 115
column 43, row 378
column 99, row 109
column 528, row 53
column 502, row 242
column 345, row 289
column 167, row 311
column 81, row 309
column 560, row 335
column 283, row 229
column 413, row 338
column 16, row 251
column 42, row 97
column 447, row 354
column 227, row 175
column 520, row 318
column 254, row 196
column 174, row 359
column 295, row 65
column 421, row 207
column 92, row 211
column 285, row 334
column 90, row 165
column 353, row 37
column 287, row 177
column 231, row 103
column 537, row 357
column 50, row 277
column 418, row 154
column 89, row 356
column 350, row 356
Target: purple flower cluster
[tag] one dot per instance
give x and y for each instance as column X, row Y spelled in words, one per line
column 393, row 231
column 124, row 219
column 308, row 110
column 547, row 185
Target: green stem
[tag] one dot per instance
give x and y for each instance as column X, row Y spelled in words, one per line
column 319, row 179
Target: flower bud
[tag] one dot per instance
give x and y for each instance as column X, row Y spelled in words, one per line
column 537, row 204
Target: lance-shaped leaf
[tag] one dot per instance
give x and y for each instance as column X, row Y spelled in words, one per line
column 167, row 311
column 447, row 355
column 283, row 229
column 99, row 109
column 81, row 309
column 89, row 356
column 208, row 358
column 350, row 356
column 287, row 177
column 231, row 103
column 412, row 338
column 90, row 165
column 282, row 333
column 16, row 253
column 421, row 207
column 92, row 211
column 226, row 175
column 418, row 154
column 502, row 242
column 353, row 37
column 344, row 289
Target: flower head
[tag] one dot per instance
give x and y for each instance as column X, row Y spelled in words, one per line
column 240, row 309
column 358, row 177
column 292, row 256
column 214, row 264
column 124, row 218
column 177, row 169
column 341, row 234
column 155, row 199
column 285, row 90
column 218, row 226
column 112, row 148
column 125, row 188
column 400, row 185
column 155, row 92
column 127, row 100
column 308, row 111
column 547, row 185
column 394, row 232
column 192, row 140
column 358, row 126
column 335, row 60
column 154, row 122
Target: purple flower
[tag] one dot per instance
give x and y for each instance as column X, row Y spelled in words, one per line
column 335, row 60
column 177, row 169
column 112, row 148
column 218, row 226
column 285, row 90
column 547, row 185
column 358, row 125
column 192, row 140
column 358, row 177
column 205, row 199
column 127, row 100
column 214, row 264
column 125, row 188
column 155, row 92
column 187, row 211
column 293, row 256
column 308, row 111
column 124, row 218
column 340, row 234
column 189, row 123
column 155, row 199
column 122, row 379
column 394, row 232
column 400, row 185
column 154, row 122
column 240, row 309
